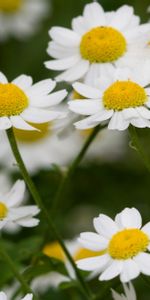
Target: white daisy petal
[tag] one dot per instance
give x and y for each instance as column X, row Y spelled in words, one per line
column 28, row 222
column 94, row 14
column 86, row 123
column 105, row 226
column 93, row 241
column 58, row 51
column 130, row 270
column 5, row 123
column 16, row 213
column 41, row 88
column 84, row 107
column 37, row 115
column 18, row 122
column 140, row 122
column 130, row 113
column 146, row 229
column 131, row 218
column 64, row 37
column 62, row 64
column 75, row 72
column 28, row 297
column 3, row 296
column 143, row 112
column 80, row 25
column 3, row 78
column 49, row 100
column 143, row 261
column 113, row 270
column 87, row 91
column 92, row 263
column 15, row 196
column 23, row 81
column 124, row 13
column 103, row 115
column 118, row 122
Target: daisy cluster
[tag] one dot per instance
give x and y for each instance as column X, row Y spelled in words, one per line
column 105, row 58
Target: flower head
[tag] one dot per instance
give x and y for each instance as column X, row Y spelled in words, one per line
column 96, row 41
column 21, row 18
column 22, row 103
column 129, row 293
column 121, row 96
column 126, row 244
column 12, row 212
column 4, row 297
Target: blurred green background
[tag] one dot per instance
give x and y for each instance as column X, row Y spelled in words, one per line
column 96, row 187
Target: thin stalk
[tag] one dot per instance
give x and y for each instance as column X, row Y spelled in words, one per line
column 39, row 202
column 73, row 167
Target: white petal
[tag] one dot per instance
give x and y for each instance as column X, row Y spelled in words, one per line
column 3, row 296
column 143, row 112
column 140, row 122
column 131, row 218
column 41, row 88
column 64, row 36
column 118, row 122
column 143, row 261
column 28, row 297
column 19, row 123
column 5, row 123
column 94, row 14
column 130, row 113
column 49, row 100
column 15, row 196
column 105, row 226
column 85, row 107
column 146, row 229
column 122, row 17
column 75, row 72
column 87, row 91
column 80, row 25
column 37, row 115
column 23, row 81
column 104, row 115
column 3, row 78
column 62, row 64
column 86, row 123
column 28, row 222
column 117, row 296
column 58, row 51
column 93, row 241
column 92, row 263
column 112, row 271
column 130, row 270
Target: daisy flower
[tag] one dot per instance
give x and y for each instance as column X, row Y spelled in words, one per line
column 125, row 242
column 121, row 96
column 22, row 103
column 12, row 212
column 97, row 41
column 54, row 250
column 21, row 18
column 4, row 297
column 129, row 293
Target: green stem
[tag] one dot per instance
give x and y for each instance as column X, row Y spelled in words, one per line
column 48, row 218
column 15, row 271
column 138, row 147
column 72, row 168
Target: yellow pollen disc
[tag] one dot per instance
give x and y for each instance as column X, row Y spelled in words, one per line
column 3, row 210
column 26, row 136
column 54, row 250
column 85, row 253
column 102, row 44
column 128, row 243
column 13, row 100
column 10, row 5
column 124, row 94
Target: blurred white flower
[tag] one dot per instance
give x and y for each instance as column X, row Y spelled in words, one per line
column 21, row 18
column 12, row 212
column 4, row 297
column 22, row 102
column 129, row 293
column 97, row 41
column 125, row 243
column 121, row 96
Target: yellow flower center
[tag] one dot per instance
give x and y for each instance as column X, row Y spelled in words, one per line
column 54, row 250
column 13, row 100
column 10, row 5
column 128, row 243
column 85, row 253
column 3, row 210
column 102, row 44
column 124, row 94
column 26, row 136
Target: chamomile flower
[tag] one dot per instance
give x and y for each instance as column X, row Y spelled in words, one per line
column 21, row 18
column 4, row 297
column 22, row 103
column 129, row 293
column 97, row 41
column 121, row 97
column 125, row 242
column 12, row 212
